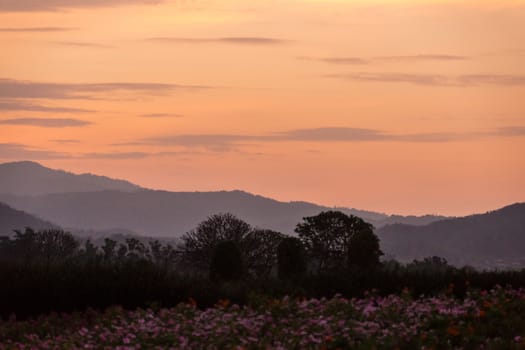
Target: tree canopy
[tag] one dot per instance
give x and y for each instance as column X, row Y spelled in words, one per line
column 329, row 236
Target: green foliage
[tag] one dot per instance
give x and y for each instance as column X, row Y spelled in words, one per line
column 226, row 262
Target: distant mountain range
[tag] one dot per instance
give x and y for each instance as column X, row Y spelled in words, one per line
column 493, row 239
column 90, row 202
column 11, row 219
column 91, row 205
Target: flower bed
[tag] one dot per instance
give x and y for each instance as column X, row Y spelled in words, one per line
column 490, row 320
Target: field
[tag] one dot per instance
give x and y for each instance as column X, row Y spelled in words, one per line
column 492, row 319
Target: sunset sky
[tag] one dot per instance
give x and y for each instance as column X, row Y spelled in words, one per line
column 399, row 106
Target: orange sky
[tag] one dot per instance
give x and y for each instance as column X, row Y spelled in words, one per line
column 398, row 106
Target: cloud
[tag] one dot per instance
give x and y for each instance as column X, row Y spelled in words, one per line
column 46, row 122
column 341, row 60
column 128, row 155
column 55, row 5
column 35, row 29
column 66, row 141
column 492, row 79
column 511, row 131
column 417, row 79
column 433, row 79
column 421, row 58
column 123, row 155
column 25, row 152
column 27, row 89
column 30, row 107
column 337, row 60
column 215, row 142
column 231, row 142
column 19, row 151
column 223, row 40
column 333, row 134
column 162, row 115
column 80, row 44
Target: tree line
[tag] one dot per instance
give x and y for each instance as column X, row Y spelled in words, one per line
column 222, row 258
column 223, row 247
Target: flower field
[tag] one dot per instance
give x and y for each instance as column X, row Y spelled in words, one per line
column 483, row 320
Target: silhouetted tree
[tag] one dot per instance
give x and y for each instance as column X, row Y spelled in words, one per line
column 430, row 264
column 291, row 258
column 226, row 262
column 56, row 245
column 198, row 244
column 327, row 237
column 90, row 253
column 163, row 255
column 363, row 250
column 25, row 245
column 260, row 251
column 109, row 250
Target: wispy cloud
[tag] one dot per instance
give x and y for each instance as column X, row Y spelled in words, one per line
column 31, row 107
column 417, row 79
column 10, row 151
column 229, row 142
column 27, row 89
column 510, row 131
column 337, row 60
column 421, row 58
column 46, row 122
column 223, row 40
column 354, row 60
column 128, row 155
column 492, row 79
column 162, row 115
column 34, row 29
column 24, row 152
column 66, row 141
column 55, row 5
column 80, row 44
column 433, row 79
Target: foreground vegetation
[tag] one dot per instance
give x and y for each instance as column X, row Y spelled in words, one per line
column 482, row 320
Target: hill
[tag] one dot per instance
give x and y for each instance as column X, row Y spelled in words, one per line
column 30, row 178
column 493, row 239
column 90, row 202
column 11, row 219
column 162, row 213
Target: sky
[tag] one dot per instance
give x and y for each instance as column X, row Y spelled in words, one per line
column 397, row 106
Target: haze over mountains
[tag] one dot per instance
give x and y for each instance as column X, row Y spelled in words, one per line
column 92, row 202
column 95, row 205
column 11, row 219
column 494, row 239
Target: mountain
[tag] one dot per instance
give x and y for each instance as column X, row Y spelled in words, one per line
column 90, row 202
column 493, row 239
column 30, row 178
column 162, row 213
column 12, row 219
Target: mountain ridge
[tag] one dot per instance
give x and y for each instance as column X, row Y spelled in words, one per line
column 483, row 240
column 31, row 178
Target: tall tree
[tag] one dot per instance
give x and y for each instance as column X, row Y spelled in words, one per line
column 329, row 236
column 198, row 244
